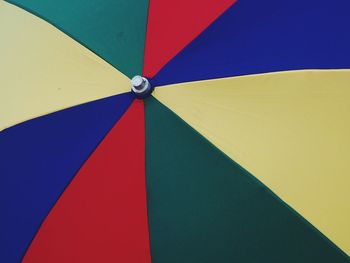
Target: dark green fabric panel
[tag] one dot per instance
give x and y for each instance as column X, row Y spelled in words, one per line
column 205, row 208
column 113, row 29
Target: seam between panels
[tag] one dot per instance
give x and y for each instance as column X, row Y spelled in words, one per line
column 190, row 42
column 145, row 137
column 260, row 183
column 34, row 13
column 270, row 73
column 61, row 109
column 145, row 37
column 145, row 180
column 71, row 180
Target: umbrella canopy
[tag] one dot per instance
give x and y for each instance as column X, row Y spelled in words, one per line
column 174, row 131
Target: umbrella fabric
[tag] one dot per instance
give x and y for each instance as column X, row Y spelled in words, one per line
column 239, row 155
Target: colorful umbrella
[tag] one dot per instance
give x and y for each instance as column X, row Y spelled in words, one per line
column 232, row 147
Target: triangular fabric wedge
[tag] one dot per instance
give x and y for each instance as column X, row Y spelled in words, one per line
column 39, row 158
column 173, row 24
column 255, row 36
column 102, row 214
column 203, row 207
column 113, row 29
column 289, row 129
column 43, row 70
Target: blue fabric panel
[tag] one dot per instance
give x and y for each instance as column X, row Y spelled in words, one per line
column 259, row 36
column 39, row 158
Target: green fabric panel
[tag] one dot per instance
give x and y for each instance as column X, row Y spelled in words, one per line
column 113, row 29
column 203, row 207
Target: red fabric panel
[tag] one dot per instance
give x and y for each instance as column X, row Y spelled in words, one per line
column 102, row 215
column 173, row 24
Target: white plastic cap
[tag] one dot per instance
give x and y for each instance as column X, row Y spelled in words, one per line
column 140, row 86
column 137, row 81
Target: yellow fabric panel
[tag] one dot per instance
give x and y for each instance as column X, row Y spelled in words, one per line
column 289, row 129
column 42, row 70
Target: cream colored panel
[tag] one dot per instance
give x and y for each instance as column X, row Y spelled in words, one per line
column 290, row 129
column 42, row 70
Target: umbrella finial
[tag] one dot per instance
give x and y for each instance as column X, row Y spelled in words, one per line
column 141, row 86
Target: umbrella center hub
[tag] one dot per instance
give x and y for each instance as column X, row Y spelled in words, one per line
column 141, row 87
